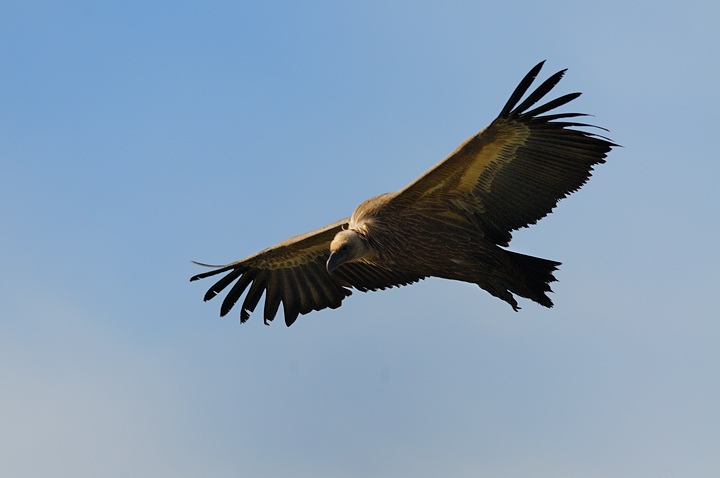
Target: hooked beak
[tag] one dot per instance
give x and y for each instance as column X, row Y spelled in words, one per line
column 335, row 259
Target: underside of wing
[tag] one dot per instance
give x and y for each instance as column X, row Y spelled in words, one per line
column 293, row 274
column 366, row 277
column 515, row 171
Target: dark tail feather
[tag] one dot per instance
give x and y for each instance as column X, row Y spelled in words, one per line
column 528, row 277
column 535, row 277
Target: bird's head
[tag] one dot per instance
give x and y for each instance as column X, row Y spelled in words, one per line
column 347, row 246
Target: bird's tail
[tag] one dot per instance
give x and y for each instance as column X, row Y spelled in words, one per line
column 527, row 276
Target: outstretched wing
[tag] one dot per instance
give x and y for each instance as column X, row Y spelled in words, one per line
column 293, row 272
column 515, row 171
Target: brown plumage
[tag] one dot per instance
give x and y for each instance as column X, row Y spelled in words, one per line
column 450, row 223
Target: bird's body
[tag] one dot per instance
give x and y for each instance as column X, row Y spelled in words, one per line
column 451, row 247
column 452, row 222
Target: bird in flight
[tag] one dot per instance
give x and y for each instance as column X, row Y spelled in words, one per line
column 453, row 222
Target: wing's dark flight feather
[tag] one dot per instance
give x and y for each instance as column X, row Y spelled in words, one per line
column 222, row 283
column 235, row 292
column 551, row 105
column 219, row 270
column 521, row 88
column 538, row 94
column 297, row 276
column 556, row 116
column 255, row 292
column 272, row 301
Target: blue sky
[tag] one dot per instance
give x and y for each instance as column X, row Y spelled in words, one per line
column 137, row 136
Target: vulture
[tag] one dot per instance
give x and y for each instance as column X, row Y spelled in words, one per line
column 453, row 222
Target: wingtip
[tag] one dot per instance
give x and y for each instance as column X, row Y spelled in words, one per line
column 212, row 266
column 521, row 89
column 244, row 316
column 217, row 270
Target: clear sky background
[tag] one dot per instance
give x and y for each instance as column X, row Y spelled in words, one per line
column 137, row 136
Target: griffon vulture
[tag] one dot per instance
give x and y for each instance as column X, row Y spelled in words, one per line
column 451, row 222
